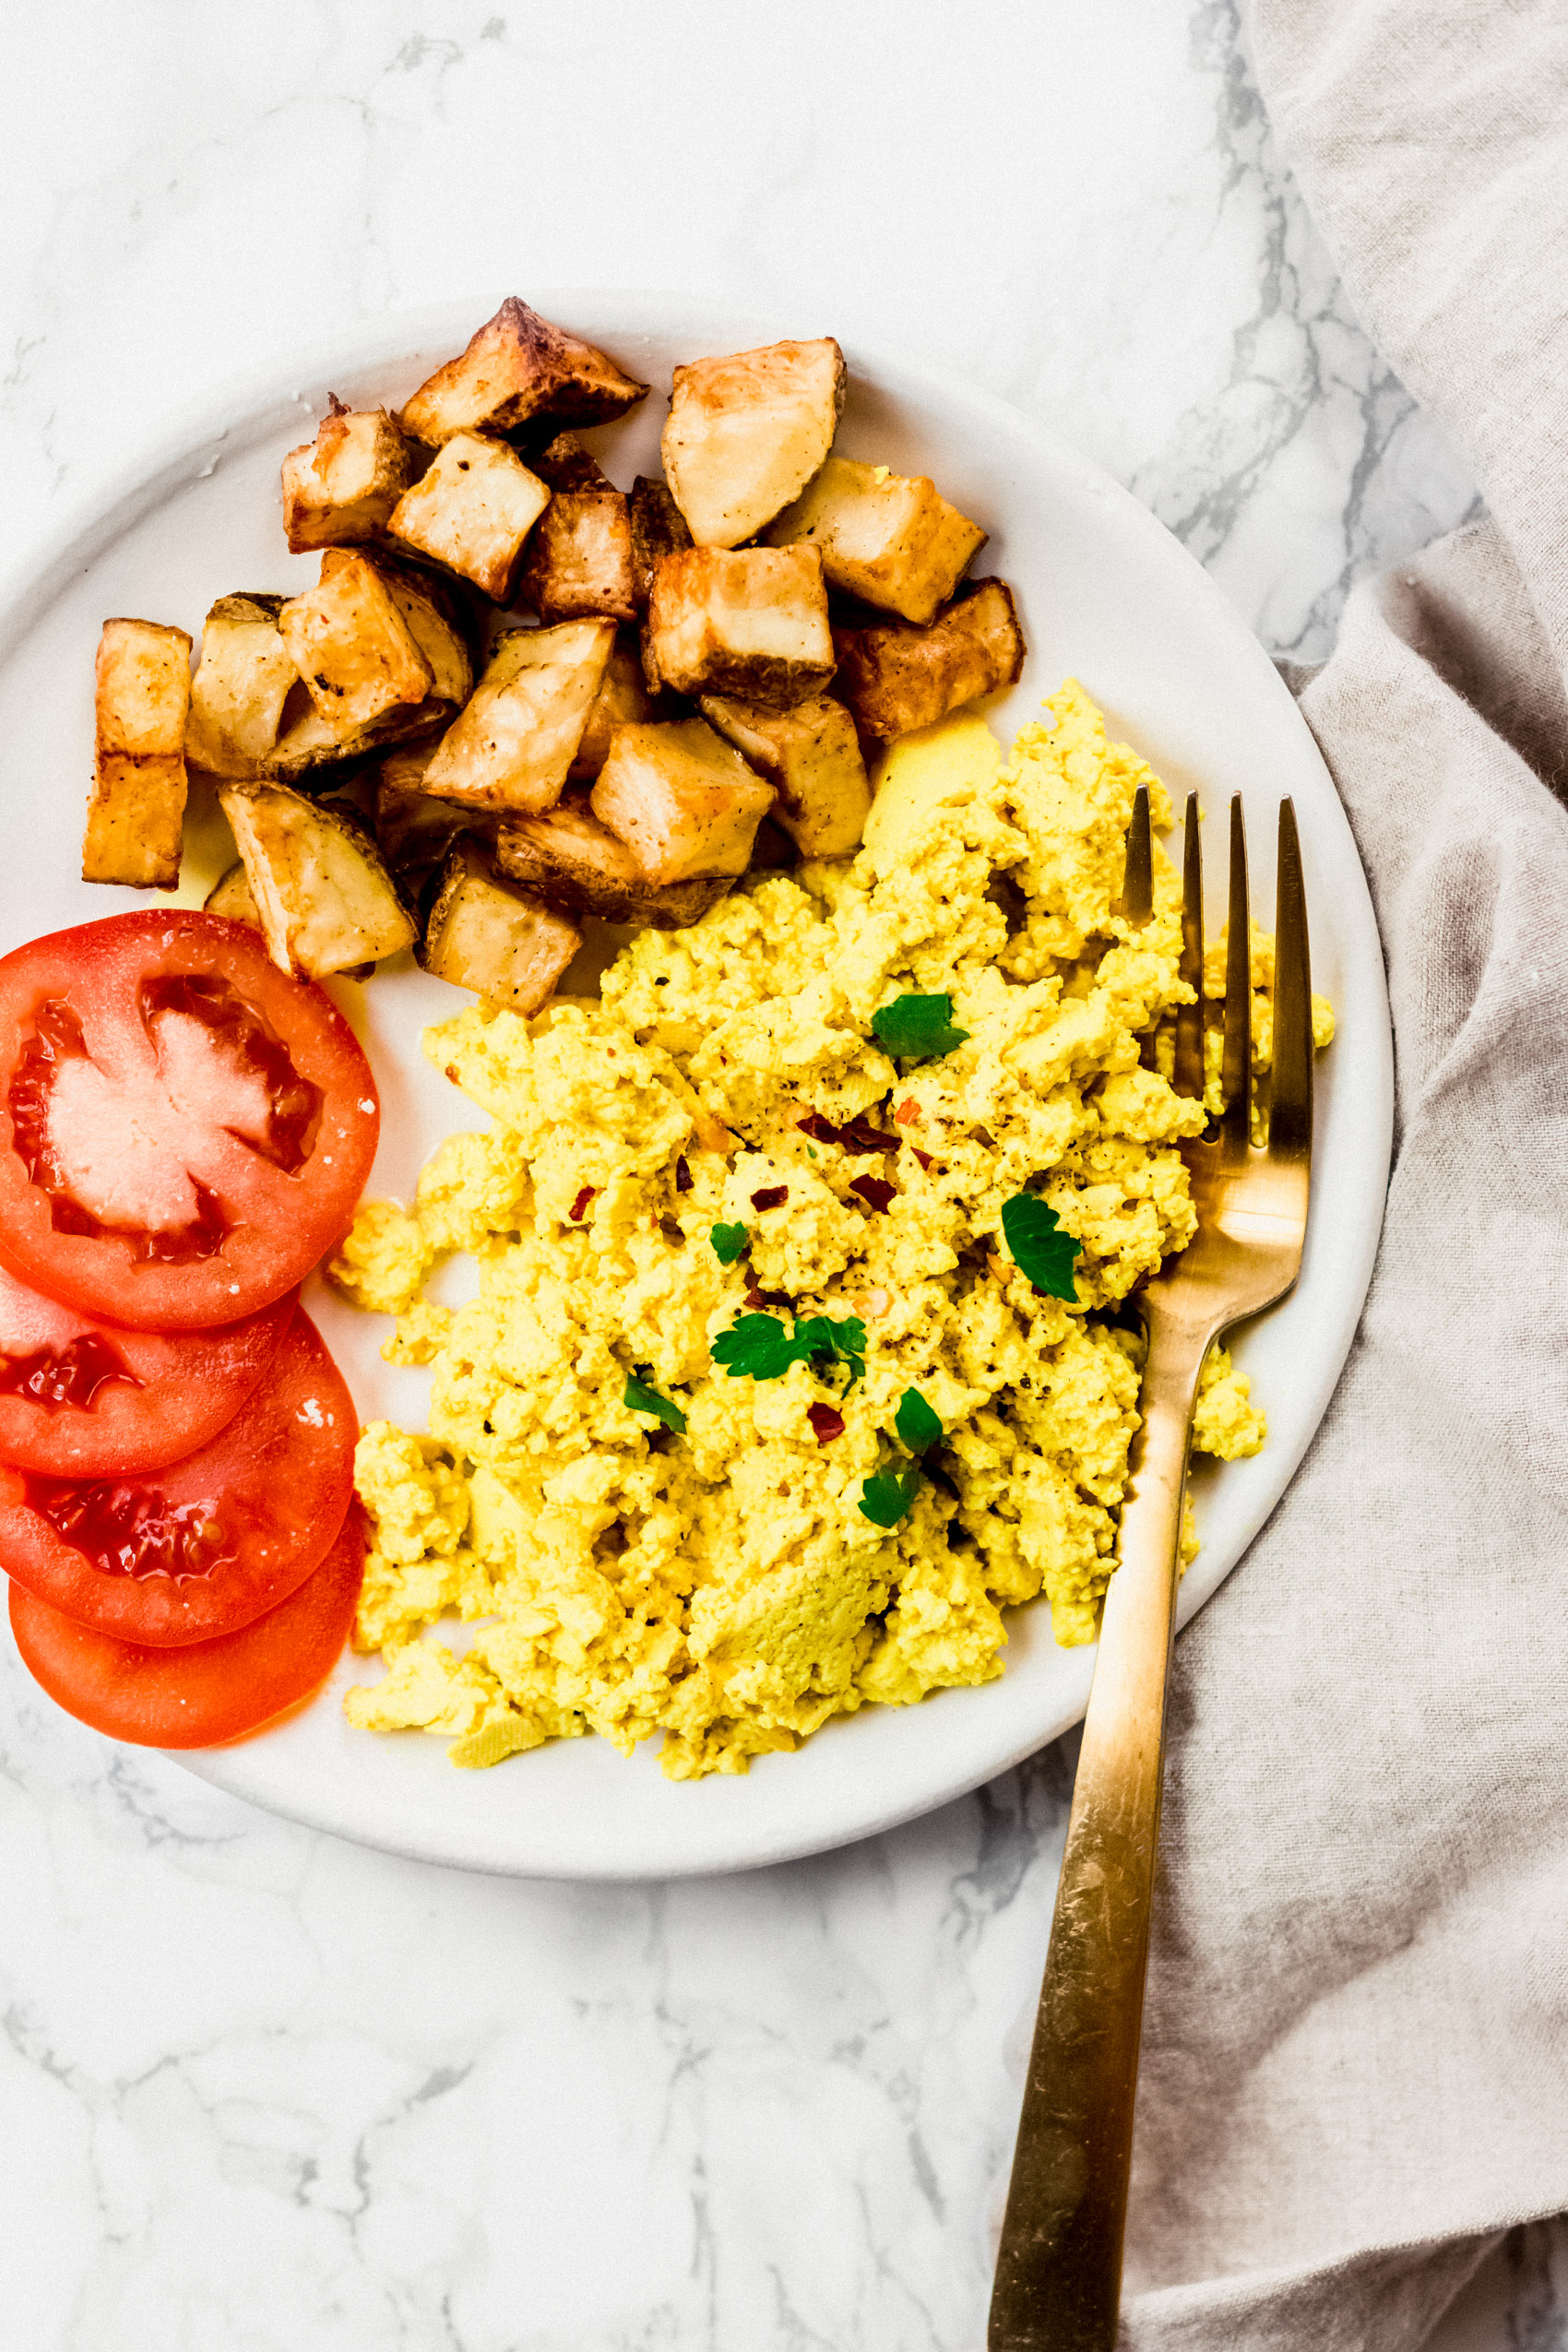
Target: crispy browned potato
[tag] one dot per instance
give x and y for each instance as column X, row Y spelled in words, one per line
column 351, row 644
column 811, row 756
column 682, row 802
column 325, row 900
column 516, row 367
column 241, row 683
column 621, row 700
column 473, row 511
column 136, row 809
column 340, row 488
column 658, row 529
column 571, row 861
column 231, row 897
column 486, row 934
column 414, row 830
column 744, row 434
column 898, row 678
column 751, row 623
column 579, row 559
column 892, row 539
column 513, row 744
column 430, row 608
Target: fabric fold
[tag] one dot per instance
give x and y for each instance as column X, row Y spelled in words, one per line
column 1356, row 2050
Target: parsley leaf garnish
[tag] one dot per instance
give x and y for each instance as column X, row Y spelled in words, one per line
column 641, row 1399
column 917, row 1028
column 730, row 1242
column 887, row 1495
column 1040, row 1247
column 917, row 1425
column 759, row 1347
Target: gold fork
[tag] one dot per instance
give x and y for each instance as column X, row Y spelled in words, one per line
column 1058, row 2269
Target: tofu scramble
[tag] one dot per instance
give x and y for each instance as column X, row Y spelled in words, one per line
column 704, row 1568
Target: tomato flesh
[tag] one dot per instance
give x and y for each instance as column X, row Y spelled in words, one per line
column 206, row 1544
column 209, row 1691
column 80, row 1398
column 183, row 1128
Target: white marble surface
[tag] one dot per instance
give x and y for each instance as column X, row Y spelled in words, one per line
column 263, row 2090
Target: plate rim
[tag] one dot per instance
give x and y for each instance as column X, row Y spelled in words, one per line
column 85, row 526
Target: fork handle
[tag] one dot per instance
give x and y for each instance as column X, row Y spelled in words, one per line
column 1059, row 2268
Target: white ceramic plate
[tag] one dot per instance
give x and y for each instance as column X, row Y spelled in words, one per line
column 1104, row 593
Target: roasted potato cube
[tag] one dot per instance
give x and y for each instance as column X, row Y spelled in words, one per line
column 351, row 644
column 340, row 488
column 746, row 435
column 811, row 756
column 658, row 529
column 567, row 463
column 752, row 623
column 682, row 802
column 513, row 744
column 892, row 539
column 621, row 700
column 898, row 678
column 571, row 861
column 413, row 829
column 473, row 511
column 579, row 559
column 486, row 934
column 136, row 811
column 241, row 683
column 430, row 612
column 313, row 754
column 325, row 901
column 231, row 897
column 516, row 367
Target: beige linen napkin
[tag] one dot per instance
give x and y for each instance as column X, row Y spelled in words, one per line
column 1356, row 2054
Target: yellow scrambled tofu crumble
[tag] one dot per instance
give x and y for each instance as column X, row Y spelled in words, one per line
column 720, row 1584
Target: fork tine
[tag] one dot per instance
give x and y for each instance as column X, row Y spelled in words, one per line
column 1188, row 1078
column 1138, row 879
column 1237, row 1063
column 1291, row 1112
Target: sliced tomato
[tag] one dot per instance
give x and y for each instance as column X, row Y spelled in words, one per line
column 203, row 1546
column 210, row 1690
column 80, row 1398
column 183, row 1128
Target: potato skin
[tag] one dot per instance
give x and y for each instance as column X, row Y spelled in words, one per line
column 658, row 529
column 898, row 677
column 518, row 367
column 571, row 861
column 811, row 756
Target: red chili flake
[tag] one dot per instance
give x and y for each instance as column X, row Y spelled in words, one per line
column 923, row 1156
column 683, row 1175
column 579, row 1207
column 771, row 1197
column 857, row 1135
column 827, row 1421
column 875, row 1191
column 909, row 1113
